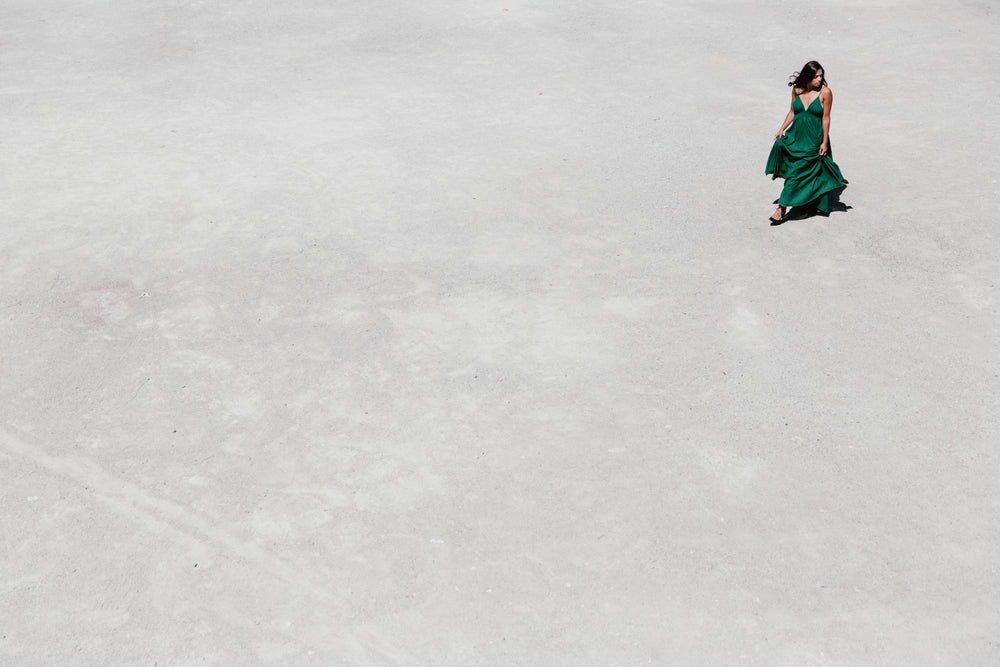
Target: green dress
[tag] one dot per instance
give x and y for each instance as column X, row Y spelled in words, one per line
column 809, row 176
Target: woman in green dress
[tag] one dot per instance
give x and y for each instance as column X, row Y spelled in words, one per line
column 803, row 155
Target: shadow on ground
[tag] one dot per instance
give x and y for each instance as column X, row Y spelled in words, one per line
column 798, row 213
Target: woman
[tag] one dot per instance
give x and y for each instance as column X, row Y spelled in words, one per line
column 803, row 156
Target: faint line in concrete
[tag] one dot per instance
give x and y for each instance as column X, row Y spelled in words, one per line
column 158, row 515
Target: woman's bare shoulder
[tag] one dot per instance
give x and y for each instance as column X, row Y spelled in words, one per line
column 826, row 91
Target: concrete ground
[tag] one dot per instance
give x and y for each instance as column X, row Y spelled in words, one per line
column 454, row 333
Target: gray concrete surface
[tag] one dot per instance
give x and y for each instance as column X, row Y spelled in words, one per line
column 453, row 333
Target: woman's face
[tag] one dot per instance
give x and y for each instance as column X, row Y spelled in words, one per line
column 817, row 81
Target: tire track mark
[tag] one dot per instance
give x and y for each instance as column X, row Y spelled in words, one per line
column 159, row 516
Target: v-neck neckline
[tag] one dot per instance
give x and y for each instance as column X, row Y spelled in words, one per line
column 806, row 106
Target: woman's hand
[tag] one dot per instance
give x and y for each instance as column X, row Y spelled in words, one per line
column 822, row 148
column 778, row 135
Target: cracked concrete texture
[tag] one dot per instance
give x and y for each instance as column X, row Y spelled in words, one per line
column 424, row 333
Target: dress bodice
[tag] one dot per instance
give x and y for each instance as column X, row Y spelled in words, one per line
column 813, row 108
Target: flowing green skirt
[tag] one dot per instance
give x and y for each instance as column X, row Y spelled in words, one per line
column 809, row 176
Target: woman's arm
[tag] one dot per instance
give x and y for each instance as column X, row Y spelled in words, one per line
column 788, row 118
column 826, row 99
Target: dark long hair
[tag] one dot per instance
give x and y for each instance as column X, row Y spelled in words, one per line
column 801, row 79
